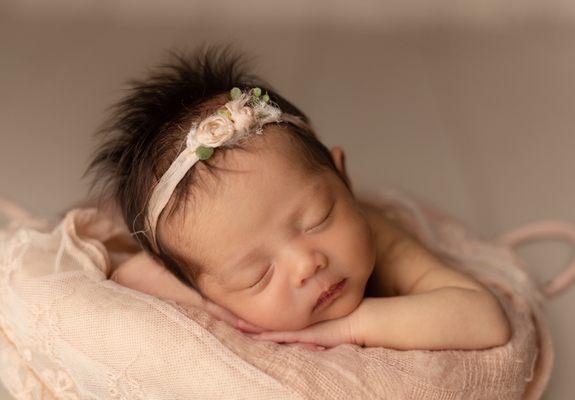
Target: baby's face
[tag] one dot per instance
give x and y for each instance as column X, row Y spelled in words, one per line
column 273, row 238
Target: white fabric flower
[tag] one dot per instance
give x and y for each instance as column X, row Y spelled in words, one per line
column 242, row 116
column 214, row 131
column 266, row 113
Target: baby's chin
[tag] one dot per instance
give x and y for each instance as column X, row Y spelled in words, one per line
column 337, row 311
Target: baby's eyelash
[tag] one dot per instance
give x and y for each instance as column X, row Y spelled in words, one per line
column 323, row 220
column 260, row 279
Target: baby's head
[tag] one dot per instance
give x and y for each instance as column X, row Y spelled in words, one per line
column 263, row 226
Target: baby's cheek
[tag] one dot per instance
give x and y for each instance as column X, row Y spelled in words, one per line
column 276, row 316
column 354, row 243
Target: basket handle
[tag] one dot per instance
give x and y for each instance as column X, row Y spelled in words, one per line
column 546, row 229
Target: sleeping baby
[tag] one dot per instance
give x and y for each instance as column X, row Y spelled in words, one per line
column 239, row 209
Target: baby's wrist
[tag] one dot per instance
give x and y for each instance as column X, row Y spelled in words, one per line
column 363, row 315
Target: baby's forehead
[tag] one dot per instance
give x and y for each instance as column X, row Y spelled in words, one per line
column 255, row 189
column 262, row 162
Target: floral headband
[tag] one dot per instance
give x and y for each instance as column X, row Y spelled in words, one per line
column 245, row 114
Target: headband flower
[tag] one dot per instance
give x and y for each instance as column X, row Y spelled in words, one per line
column 213, row 131
column 231, row 122
column 242, row 116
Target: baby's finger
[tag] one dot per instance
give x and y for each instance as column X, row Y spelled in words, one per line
column 245, row 326
column 312, row 346
column 308, row 346
column 217, row 311
column 279, row 337
column 223, row 314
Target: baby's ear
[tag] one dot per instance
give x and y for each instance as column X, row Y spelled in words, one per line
column 338, row 156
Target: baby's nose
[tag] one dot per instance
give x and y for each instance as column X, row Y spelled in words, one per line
column 304, row 278
column 309, row 270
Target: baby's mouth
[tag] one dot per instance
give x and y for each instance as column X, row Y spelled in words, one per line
column 329, row 294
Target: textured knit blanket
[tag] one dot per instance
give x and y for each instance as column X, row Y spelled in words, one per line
column 69, row 332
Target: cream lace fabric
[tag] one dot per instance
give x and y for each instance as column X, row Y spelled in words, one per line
column 68, row 332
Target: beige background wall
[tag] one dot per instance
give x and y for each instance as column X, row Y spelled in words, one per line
column 472, row 108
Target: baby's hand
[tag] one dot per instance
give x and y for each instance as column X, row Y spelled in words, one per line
column 325, row 333
column 225, row 315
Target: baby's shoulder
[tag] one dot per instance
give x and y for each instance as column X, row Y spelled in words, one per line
column 407, row 266
column 414, row 268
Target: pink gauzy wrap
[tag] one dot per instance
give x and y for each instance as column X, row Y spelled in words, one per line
column 69, row 332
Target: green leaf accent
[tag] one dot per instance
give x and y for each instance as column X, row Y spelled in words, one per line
column 266, row 98
column 257, row 91
column 204, row 153
column 224, row 112
column 235, row 93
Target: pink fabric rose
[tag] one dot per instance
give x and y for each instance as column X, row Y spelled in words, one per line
column 214, row 131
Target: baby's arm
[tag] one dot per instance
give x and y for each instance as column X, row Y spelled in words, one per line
column 441, row 319
column 435, row 308
column 142, row 273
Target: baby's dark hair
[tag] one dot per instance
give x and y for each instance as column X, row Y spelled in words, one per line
column 147, row 130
